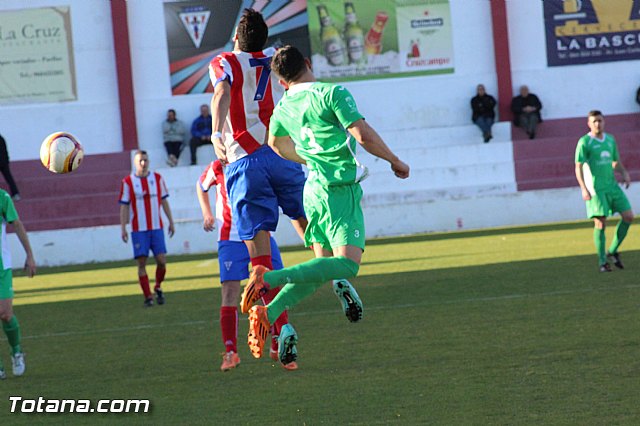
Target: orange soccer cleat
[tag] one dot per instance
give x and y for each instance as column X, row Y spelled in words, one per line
column 258, row 330
column 292, row 366
column 229, row 360
column 254, row 289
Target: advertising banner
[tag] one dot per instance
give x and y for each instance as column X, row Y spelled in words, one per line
column 36, row 56
column 589, row 31
column 366, row 39
column 197, row 31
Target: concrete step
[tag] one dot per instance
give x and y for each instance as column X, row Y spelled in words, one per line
column 444, row 136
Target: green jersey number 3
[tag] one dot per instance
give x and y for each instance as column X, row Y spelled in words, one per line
column 307, row 135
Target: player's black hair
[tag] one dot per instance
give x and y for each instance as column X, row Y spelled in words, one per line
column 288, row 63
column 172, row 110
column 252, row 31
column 140, row 152
column 595, row 113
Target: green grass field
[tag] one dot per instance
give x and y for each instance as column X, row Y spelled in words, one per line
column 504, row 326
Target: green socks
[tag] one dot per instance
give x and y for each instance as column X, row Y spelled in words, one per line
column 621, row 232
column 289, row 296
column 599, row 240
column 12, row 330
column 304, row 279
column 319, row 270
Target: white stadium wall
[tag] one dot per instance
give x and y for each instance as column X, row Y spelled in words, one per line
column 566, row 91
column 399, row 103
column 94, row 117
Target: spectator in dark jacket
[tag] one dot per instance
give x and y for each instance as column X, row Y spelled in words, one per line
column 526, row 111
column 638, row 96
column 200, row 132
column 483, row 108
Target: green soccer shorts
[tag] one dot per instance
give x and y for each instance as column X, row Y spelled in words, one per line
column 334, row 214
column 606, row 203
column 6, row 284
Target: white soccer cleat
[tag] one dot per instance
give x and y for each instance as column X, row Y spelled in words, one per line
column 3, row 375
column 18, row 364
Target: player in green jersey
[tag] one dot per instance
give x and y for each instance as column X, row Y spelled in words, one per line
column 601, row 191
column 9, row 321
column 317, row 124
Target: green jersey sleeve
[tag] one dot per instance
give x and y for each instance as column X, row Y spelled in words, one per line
column 344, row 106
column 9, row 213
column 582, row 155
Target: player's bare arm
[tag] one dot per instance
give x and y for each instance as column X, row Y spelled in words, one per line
column 619, row 167
column 124, row 219
column 220, row 103
column 29, row 263
column 580, row 178
column 285, row 148
column 167, row 211
column 208, row 222
column 374, row 145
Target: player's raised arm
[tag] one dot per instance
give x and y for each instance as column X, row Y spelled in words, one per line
column 29, row 263
column 285, row 148
column 374, row 145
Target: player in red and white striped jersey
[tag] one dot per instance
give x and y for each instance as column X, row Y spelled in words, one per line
column 233, row 259
column 142, row 193
column 258, row 180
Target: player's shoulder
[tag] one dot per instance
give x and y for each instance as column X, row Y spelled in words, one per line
column 585, row 139
column 609, row 137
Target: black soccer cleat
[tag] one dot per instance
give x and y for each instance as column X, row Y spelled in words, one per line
column 605, row 267
column 615, row 258
column 159, row 296
column 148, row 302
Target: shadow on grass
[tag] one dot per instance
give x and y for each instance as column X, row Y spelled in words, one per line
column 370, row 242
column 53, row 288
column 484, row 341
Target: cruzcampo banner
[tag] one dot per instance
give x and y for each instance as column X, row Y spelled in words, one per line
column 366, row 39
column 588, row 31
column 36, row 56
column 197, row 31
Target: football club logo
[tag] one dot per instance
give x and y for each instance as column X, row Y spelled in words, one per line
column 195, row 22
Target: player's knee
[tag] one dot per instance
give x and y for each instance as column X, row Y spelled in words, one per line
column 6, row 315
column 230, row 293
column 628, row 216
column 351, row 267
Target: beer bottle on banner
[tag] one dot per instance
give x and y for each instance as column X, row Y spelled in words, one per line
column 353, row 35
column 332, row 45
column 373, row 41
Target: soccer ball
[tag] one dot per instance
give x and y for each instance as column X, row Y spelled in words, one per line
column 61, row 152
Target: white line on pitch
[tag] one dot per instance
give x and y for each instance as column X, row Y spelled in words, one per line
column 313, row 313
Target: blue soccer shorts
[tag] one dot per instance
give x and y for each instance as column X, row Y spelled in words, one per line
column 257, row 184
column 143, row 241
column 234, row 260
